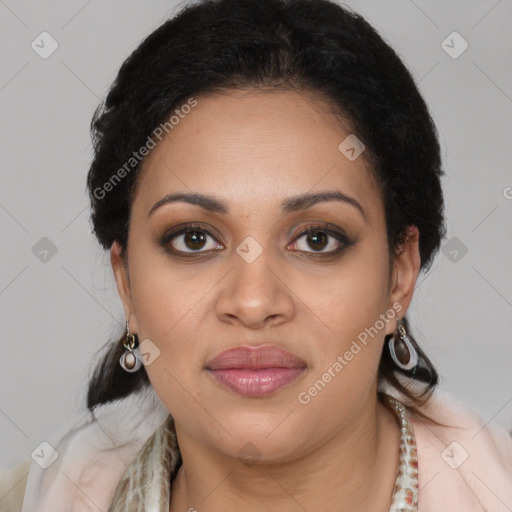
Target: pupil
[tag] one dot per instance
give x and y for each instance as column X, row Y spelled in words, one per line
column 316, row 238
column 195, row 237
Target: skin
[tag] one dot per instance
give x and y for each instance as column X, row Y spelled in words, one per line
column 253, row 149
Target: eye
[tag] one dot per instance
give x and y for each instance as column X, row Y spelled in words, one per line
column 322, row 240
column 195, row 238
column 190, row 239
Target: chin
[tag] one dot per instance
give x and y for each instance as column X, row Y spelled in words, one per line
column 259, row 439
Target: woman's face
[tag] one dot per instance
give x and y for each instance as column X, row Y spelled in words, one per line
column 242, row 272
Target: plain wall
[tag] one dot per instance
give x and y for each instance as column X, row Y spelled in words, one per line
column 56, row 314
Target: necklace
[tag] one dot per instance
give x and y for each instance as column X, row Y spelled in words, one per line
column 405, row 495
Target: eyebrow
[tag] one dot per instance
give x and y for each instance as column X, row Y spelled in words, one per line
column 291, row 204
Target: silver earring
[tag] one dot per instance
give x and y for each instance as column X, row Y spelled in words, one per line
column 130, row 360
column 402, row 351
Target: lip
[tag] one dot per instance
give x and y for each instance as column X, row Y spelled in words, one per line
column 256, row 371
column 263, row 356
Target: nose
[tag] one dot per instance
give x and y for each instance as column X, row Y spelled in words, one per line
column 256, row 294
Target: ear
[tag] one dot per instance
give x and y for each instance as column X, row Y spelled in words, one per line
column 120, row 269
column 405, row 273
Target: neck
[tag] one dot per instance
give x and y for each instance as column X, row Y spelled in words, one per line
column 354, row 470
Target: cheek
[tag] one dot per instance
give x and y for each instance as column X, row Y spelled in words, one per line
column 166, row 303
column 167, row 313
column 347, row 358
column 347, row 355
column 346, row 303
column 163, row 292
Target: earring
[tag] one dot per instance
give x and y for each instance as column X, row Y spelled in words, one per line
column 130, row 360
column 402, row 351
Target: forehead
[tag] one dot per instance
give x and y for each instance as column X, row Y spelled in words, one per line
column 255, row 148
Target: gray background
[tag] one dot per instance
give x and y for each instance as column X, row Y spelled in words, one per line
column 56, row 314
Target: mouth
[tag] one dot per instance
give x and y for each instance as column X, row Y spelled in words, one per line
column 256, row 371
column 260, row 382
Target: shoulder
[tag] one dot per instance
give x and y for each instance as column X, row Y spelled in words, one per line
column 91, row 457
column 12, row 486
column 465, row 461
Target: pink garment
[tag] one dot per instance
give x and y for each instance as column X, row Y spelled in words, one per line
column 465, row 468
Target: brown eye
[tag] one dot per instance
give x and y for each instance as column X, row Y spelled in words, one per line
column 194, row 239
column 190, row 239
column 318, row 241
column 321, row 240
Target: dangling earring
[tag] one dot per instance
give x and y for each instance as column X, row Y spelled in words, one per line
column 130, row 360
column 402, row 351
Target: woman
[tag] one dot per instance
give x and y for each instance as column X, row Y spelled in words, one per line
column 267, row 180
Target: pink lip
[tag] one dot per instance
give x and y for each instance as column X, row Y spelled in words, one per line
column 256, row 371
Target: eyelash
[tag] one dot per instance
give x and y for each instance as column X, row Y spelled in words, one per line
column 340, row 236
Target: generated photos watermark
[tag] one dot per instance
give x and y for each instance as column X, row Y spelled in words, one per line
column 304, row 397
column 144, row 150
